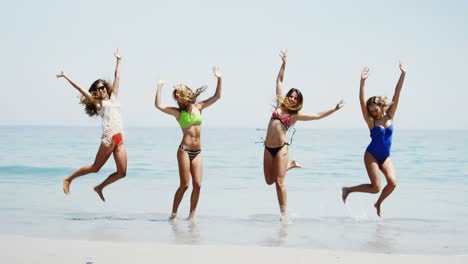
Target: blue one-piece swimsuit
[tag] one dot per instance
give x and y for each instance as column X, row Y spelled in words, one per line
column 381, row 143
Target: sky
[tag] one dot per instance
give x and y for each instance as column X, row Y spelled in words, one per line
column 328, row 43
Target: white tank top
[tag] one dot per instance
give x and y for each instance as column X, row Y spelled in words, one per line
column 111, row 120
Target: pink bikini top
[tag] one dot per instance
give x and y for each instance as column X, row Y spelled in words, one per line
column 284, row 119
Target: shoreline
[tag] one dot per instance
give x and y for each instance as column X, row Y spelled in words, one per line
column 18, row 249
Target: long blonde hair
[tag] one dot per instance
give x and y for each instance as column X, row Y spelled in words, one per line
column 184, row 94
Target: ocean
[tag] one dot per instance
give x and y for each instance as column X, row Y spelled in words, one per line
column 426, row 214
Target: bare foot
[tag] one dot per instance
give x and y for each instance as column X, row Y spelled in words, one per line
column 66, row 185
column 344, row 194
column 294, row 164
column 172, row 217
column 191, row 217
column 99, row 192
column 377, row 206
column 284, row 218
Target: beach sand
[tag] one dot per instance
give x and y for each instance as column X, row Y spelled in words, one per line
column 16, row 249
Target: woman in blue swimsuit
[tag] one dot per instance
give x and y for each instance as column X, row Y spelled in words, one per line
column 189, row 156
column 275, row 155
column 378, row 115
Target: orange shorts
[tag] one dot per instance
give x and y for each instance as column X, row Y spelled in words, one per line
column 117, row 139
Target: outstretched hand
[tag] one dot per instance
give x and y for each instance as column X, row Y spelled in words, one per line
column 340, row 104
column 117, row 54
column 364, row 73
column 402, row 67
column 284, row 55
column 161, row 83
column 60, row 74
column 216, row 72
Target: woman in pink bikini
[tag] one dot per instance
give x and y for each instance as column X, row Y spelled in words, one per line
column 275, row 155
column 101, row 99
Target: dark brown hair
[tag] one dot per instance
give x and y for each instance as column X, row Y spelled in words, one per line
column 90, row 107
column 282, row 102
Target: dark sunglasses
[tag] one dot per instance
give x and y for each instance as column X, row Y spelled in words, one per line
column 98, row 88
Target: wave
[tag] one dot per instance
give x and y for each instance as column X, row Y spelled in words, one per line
column 159, row 217
column 28, row 170
column 107, row 217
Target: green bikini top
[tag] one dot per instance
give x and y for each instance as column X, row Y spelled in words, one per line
column 187, row 119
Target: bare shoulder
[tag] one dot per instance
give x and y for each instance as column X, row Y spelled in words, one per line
column 98, row 104
column 198, row 106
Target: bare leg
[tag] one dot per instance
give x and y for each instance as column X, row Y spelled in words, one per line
column 274, row 170
column 184, row 175
column 372, row 168
column 196, row 169
column 389, row 172
column 270, row 177
column 120, row 157
column 102, row 156
column 279, row 167
column 293, row 164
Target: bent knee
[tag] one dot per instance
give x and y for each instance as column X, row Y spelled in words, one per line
column 391, row 184
column 269, row 181
column 375, row 188
column 122, row 174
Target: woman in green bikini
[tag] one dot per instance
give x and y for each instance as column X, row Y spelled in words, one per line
column 189, row 156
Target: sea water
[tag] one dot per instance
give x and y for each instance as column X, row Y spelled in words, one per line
column 426, row 214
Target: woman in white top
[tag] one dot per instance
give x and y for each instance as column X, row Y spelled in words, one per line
column 101, row 100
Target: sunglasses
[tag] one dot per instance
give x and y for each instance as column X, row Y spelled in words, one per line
column 98, row 88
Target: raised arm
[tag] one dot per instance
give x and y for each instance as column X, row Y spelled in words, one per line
column 362, row 99
column 279, row 79
column 85, row 93
column 217, row 95
column 320, row 115
column 396, row 96
column 116, row 84
column 157, row 102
